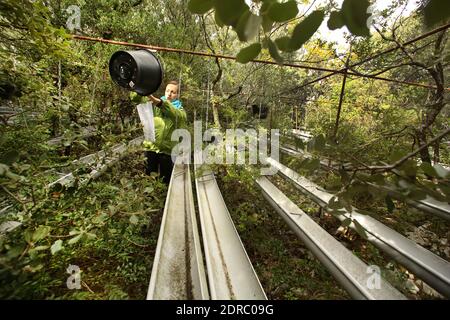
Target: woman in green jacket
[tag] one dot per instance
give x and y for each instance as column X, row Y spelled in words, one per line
column 168, row 115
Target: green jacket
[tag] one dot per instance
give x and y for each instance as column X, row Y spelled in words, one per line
column 167, row 118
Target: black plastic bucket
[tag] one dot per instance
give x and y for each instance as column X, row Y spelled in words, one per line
column 138, row 71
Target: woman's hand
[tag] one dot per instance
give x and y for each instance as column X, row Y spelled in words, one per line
column 154, row 100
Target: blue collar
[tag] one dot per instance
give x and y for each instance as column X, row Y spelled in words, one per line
column 176, row 103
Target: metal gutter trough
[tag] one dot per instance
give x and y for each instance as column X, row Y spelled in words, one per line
column 230, row 272
column 178, row 272
column 428, row 205
column 425, row 264
column 99, row 161
column 358, row 279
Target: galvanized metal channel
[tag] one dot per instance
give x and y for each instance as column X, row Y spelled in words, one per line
column 85, row 132
column 354, row 275
column 425, row 264
column 99, row 161
column 178, row 272
column 302, row 134
column 230, row 272
column 428, row 205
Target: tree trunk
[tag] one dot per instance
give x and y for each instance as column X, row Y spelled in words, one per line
column 215, row 105
column 432, row 110
column 215, row 110
column 436, row 153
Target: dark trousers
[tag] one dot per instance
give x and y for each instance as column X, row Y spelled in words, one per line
column 160, row 163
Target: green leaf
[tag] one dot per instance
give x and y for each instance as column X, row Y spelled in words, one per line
column 335, row 21
column 397, row 155
column 357, row 188
column 377, row 178
column 267, row 23
column 360, row 229
column 40, row 248
column 436, row 194
column 266, row 6
column 74, row 232
column 248, row 53
column 355, row 16
column 445, row 190
column 314, row 164
column 346, row 201
column 27, row 235
column 56, row 246
column 9, row 157
column 299, row 143
column 436, row 11
column 148, row 189
column 134, row 219
column 3, row 169
column 13, row 176
column 218, row 20
column 33, row 268
column 376, row 192
column 428, row 169
column 283, row 43
column 409, row 167
column 441, row 171
column 200, row 6
column 417, row 194
column 90, row 236
column 274, row 52
column 230, row 11
column 100, row 219
column 248, row 26
column 75, row 239
column 40, row 233
column 281, row 12
column 346, row 222
column 14, row 252
column 305, row 29
column 335, row 203
column 319, row 142
column 389, row 204
column 304, row 163
column 404, row 184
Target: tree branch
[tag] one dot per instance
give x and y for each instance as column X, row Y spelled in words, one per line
column 408, row 156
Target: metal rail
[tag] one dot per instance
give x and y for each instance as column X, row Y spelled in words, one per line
column 425, row 264
column 302, row 134
column 221, row 56
column 100, row 162
column 85, row 132
column 428, row 205
column 178, row 272
column 353, row 274
column 230, row 272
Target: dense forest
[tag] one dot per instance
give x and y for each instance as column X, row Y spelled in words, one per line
column 377, row 133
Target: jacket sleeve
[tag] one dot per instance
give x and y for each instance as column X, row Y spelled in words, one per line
column 175, row 114
column 135, row 98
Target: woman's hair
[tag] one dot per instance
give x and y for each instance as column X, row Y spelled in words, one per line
column 174, row 82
